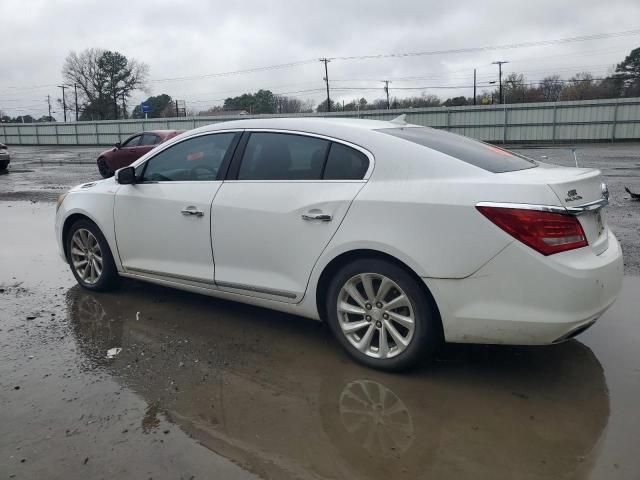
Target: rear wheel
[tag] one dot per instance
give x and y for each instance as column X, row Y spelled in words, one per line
column 103, row 168
column 90, row 257
column 381, row 315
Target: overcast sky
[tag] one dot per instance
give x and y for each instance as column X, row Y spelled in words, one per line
column 199, row 37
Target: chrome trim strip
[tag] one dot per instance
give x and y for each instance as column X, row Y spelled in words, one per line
column 575, row 211
column 589, row 207
column 169, row 275
column 236, row 286
column 251, row 288
column 524, row 206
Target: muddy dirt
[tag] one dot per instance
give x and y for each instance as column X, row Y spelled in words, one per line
column 204, row 388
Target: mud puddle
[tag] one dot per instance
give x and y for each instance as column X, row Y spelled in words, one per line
column 206, row 388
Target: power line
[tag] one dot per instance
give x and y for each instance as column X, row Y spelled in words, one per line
column 581, row 38
column 236, row 72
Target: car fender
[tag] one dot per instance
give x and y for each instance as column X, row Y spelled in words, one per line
column 96, row 208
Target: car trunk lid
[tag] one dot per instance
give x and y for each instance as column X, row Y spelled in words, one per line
column 580, row 191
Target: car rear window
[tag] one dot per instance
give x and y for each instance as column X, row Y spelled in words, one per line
column 479, row 154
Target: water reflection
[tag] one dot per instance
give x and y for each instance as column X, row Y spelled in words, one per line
column 375, row 417
column 276, row 395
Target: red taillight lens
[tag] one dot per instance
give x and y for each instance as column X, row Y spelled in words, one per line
column 545, row 232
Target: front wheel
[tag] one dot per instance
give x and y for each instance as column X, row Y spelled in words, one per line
column 90, row 257
column 381, row 316
column 104, row 169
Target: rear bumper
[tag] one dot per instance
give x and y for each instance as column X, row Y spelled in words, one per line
column 521, row 297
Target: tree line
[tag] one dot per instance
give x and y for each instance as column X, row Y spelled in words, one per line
column 105, row 80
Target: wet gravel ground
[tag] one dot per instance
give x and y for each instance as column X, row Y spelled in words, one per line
column 205, row 388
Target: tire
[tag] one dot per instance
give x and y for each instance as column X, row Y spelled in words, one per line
column 103, row 168
column 85, row 247
column 407, row 343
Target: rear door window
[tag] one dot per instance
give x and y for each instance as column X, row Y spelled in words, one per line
column 283, row 156
column 479, row 154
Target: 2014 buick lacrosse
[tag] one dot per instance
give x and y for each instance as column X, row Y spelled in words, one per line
column 398, row 236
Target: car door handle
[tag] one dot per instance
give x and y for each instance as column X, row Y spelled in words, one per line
column 319, row 216
column 192, row 211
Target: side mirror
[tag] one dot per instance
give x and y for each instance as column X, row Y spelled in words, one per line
column 126, row 176
column 118, row 145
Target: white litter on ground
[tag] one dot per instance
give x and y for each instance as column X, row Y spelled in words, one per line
column 112, row 352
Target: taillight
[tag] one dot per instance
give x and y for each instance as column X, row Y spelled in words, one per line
column 545, row 232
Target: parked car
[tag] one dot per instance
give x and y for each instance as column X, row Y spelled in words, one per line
column 127, row 152
column 396, row 235
column 5, row 158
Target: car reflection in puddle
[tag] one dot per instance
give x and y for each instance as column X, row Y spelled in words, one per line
column 375, row 418
column 275, row 394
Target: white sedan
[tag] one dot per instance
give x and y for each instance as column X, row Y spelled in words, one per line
column 398, row 236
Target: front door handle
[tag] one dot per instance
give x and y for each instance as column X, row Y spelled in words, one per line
column 192, row 211
column 319, row 216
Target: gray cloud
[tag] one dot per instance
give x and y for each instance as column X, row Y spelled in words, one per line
column 178, row 39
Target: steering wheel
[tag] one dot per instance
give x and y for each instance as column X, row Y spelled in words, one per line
column 193, row 172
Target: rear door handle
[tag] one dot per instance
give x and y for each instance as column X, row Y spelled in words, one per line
column 192, row 211
column 319, row 216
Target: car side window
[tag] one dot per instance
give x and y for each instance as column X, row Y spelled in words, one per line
column 132, row 142
column 283, row 156
column 195, row 159
column 149, row 139
column 345, row 163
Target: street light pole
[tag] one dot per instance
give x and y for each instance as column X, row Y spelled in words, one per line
column 500, row 63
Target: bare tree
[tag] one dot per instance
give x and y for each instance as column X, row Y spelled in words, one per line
column 288, row 104
column 104, row 79
column 550, row 88
column 514, row 88
column 581, row 86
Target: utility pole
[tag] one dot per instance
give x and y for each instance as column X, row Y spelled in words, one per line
column 124, row 107
column 75, row 89
column 474, row 86
column 326, row 79
column 49, row 103
column 500, row 63
column 386, row 89
column 64, row 103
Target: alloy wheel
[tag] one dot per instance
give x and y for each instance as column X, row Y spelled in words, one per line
column 376, row 315
column 86, row 256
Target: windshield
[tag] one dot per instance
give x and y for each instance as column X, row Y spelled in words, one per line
column 480, row 154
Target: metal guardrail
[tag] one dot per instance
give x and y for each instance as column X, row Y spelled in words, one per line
column 588, row 120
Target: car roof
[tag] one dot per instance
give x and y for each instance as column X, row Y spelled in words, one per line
column 307, row 124
column 163, row 132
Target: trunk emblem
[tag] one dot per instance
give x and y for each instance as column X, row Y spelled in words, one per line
column 572, row 196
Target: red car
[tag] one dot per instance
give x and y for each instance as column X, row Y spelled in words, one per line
column 131, row 149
